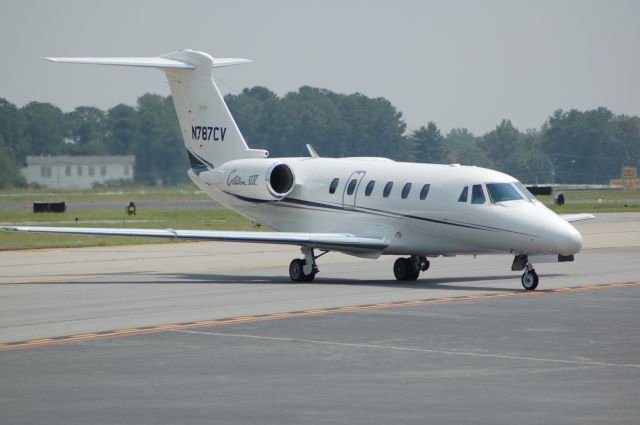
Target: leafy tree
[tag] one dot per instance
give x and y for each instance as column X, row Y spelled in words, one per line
column 579, row 144
column 11, row 130
column 160, row 154
column 9, row 171
column 461, row 147
column 336, row 124
column 121, row 125
column 516, row 153
column 44, row 130
column 86, row 131
column 571, row 147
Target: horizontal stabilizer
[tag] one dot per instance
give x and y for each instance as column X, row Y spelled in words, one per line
column 576, row 217
column 330, row 241
column 152, row 62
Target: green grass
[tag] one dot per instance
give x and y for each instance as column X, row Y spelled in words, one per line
column 594, row 195
column 593, row 208
column 160, row 219
column 128, row 193
column 189, row 219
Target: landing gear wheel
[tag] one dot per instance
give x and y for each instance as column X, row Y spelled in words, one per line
column 403, row 270
column 296, row 271
column 413, row 274
column 530, row 280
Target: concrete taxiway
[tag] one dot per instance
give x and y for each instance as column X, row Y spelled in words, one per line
column 216, row 333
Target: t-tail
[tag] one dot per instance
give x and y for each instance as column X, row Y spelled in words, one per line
column 210, row 133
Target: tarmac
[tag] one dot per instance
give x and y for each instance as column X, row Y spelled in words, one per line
column 216, row 333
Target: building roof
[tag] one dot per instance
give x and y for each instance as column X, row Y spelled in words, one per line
column 80, row 160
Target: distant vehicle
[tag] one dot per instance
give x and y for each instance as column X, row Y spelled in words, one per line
column 361, row 206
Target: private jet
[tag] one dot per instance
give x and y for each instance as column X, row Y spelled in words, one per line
column 362, row 206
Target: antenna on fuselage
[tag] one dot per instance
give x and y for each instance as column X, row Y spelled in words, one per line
column 312, row 151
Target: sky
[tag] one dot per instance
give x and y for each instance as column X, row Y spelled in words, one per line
column 459, row 63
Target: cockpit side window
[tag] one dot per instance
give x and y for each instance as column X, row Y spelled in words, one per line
column 501, row 192
column 463, row 195
column 477, row 194
column 523, row 189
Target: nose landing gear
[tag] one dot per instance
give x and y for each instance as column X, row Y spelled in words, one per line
column 529, row 279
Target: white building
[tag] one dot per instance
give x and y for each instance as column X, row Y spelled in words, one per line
column 77, row 172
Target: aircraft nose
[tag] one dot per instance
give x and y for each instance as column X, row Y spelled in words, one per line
column 572, row 240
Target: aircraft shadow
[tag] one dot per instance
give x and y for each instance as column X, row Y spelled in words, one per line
column 448, row 283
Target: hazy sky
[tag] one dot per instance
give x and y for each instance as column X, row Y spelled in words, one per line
column 458, row 63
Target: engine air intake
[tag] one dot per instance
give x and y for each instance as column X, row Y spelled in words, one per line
column 280, row 179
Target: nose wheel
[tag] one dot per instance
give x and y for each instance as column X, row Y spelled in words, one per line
column 529, row 279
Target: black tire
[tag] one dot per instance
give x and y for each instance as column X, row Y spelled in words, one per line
column 529, row 280
column 413, row 273
column 401, row 269
column 296, row 270
column 309, row 277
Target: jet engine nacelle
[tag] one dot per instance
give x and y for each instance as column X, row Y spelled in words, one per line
column 261, row 179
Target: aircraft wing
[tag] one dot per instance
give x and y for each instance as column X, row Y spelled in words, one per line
column 331, row 241
column 576, row 217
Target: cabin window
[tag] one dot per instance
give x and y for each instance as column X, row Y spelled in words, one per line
column 67, row 171
column 500, row 192
column 103, row 171
column 405, row 190
column 334, row 185
column 352, row 186
column 369, row 188
column 92, row 171
column 79, row 170
column 463, row 195
column 387, row 189
column 477, row 194
column 424, row 192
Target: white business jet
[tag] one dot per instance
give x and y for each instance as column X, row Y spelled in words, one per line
column 362, row 206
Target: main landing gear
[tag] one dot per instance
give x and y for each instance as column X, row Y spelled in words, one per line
column 409, row 268
column 304, row 270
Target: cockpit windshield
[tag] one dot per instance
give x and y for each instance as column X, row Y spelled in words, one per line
column 500, row 192
column 522, row 188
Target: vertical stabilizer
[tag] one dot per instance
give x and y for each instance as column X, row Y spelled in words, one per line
column 210, row 133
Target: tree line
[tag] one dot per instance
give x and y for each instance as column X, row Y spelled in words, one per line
column 570, row 147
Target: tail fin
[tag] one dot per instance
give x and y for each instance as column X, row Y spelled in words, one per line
column 210, row 133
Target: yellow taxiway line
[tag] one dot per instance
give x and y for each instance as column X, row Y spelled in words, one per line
column 315, row 312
